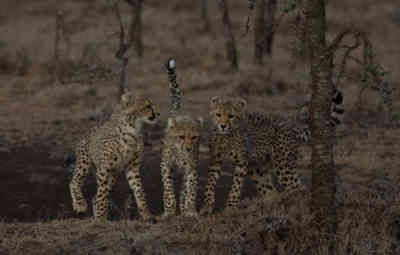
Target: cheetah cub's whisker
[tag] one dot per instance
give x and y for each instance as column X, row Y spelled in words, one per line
column 115, row 146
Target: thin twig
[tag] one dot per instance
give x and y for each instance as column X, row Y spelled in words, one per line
column 346, row 55
column 247, row 25
column 123, row 45
column 339, row 38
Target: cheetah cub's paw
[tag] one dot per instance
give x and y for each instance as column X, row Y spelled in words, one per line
column 206, row 210
column 193, row 214
column 165, row 216
column 148, row 217
column 80, row 207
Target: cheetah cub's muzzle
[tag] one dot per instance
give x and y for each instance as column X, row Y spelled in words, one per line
column 151, row 115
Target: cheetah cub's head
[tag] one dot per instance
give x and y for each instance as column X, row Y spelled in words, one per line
column 227, row 114
column 138, row 108
column 184, row 132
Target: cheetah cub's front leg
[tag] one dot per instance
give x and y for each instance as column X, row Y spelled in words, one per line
column 189, row 193
column 214, row 174
column 83, row 165
column 167, row 177
column 181, row 149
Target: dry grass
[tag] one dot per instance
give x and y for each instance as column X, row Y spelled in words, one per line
column 36, row 114
column 278, row 226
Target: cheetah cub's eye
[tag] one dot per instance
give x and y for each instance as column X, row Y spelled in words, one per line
column 218, row 115
column 230, row 116
column 181, row 137
column 194, row 137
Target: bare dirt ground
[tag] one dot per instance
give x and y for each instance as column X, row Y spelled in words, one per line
column 41, row 121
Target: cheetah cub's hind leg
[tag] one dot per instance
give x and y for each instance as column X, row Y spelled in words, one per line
column 264, row 180
column 132, row 174
column 83, row 165
column 167, row 177
column 214, row 175
column 105, row 184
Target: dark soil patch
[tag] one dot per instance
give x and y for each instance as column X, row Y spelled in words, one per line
column 34, row 186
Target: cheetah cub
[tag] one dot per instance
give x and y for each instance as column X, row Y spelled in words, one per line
column 115, row 146
column 181, row 150
column 253, row 142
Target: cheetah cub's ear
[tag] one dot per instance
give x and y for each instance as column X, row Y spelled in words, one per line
column 171, row 123
column 241, row 104
column 216, row 100
column 200, row 120
column 126, row 97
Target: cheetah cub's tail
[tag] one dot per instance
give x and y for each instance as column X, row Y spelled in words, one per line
column 337, row 108
column 174, row 90
column 337, row 111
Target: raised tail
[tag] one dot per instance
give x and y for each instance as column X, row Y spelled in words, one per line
column 174, row 90
column 337, row 108
column 303, row 134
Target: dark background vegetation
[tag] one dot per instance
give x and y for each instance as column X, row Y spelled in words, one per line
column 41, row 120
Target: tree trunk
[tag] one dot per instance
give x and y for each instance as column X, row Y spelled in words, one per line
column 323, row 170
column 264, row 29
column 299, row 46
column 57, row 35
column 230, row 44
column 62, row 46
column 259, row 32
column 269, row 26
column 122, row 78
column 137, row 28
column 204, row 16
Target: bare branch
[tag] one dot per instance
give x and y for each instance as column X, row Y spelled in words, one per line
column 132, row 2
column 346, row 55
column 339, row 38
column 373, row 73
column 230, row 45
column 135, row 28
column 356, row 60
column 247, row 25
column 123, row 47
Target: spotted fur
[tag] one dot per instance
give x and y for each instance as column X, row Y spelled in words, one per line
column 180, row 151
column 115, row 146
column 255, row 142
